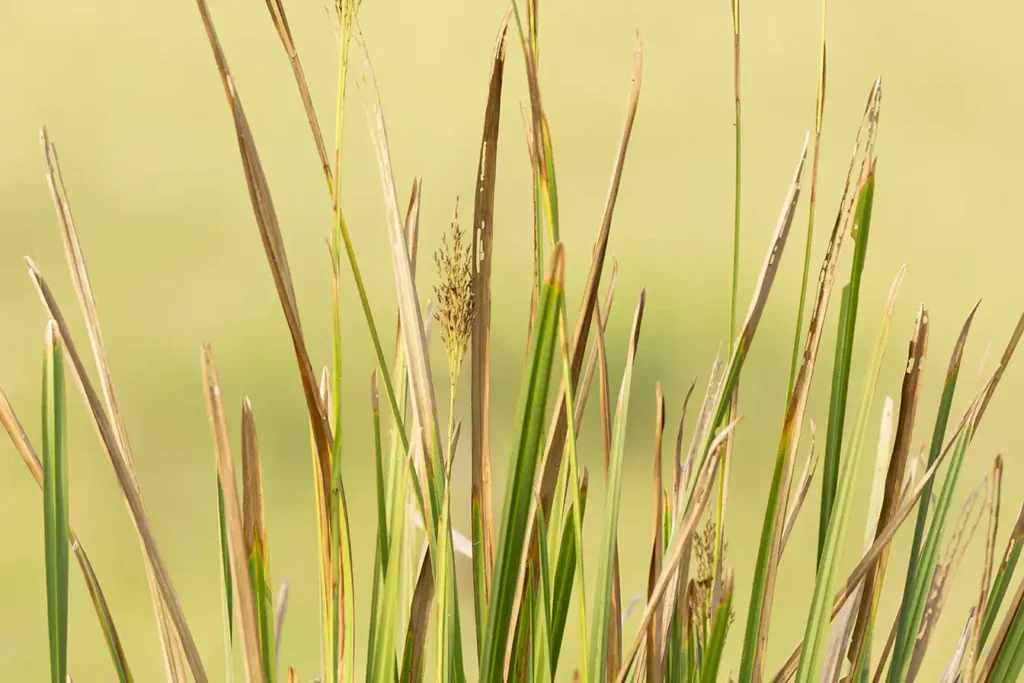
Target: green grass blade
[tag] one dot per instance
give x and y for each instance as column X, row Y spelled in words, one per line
column 55, row 502
column 1002, row 580
column 227, row 598
column 565, row 572
column 816, row 632
column 599, row 630
column 712, row 657
column 523, row 466
column 927, row 561
column 844, row 357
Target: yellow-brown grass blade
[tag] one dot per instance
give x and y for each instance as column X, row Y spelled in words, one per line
column 233, row 520
column 171, row 645
column 480, row 343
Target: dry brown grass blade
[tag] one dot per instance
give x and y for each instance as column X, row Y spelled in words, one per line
column 122, row 471
column 1003, row 362
column 28, row 454
column 912, row 377
column 273, row 245
column 588, row 375
column 480, row 343
column 992, row 504
column 677, row 459
column 949, row 674
column 419, row 614
column 171, row 645
column 253, row 515
column 654, row 671
column 244, row 599
column 801, row 490
column 557, row 432
column 938, row 591
column 424, row 402
column 284, row 32
column 670, row 566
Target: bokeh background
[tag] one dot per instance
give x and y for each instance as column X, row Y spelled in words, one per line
column 131, row 96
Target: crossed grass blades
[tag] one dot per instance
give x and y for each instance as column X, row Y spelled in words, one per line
column 525, row 560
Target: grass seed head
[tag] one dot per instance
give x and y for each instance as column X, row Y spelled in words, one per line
column 454, row 292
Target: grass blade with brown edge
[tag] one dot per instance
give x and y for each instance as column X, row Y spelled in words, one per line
column 820, row 614
column 772, row 533
column 762, row 288
column 654, row 672
column 600, row 629
column 868, row 559
column 35, row 468
column 843, row 364
column 254, row 536
column 523, row 464
column 557, row 431
column 248, row 626
column 894, row 482
column 801, row 490
column 172, row 651
column 424, row 402
column 55, row 502
column 1002, row 580
column 481, row 507
column 284, row 32
column 917, row 586
column 938, row 434
column 126, row 482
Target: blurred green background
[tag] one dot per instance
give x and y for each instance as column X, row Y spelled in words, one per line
column 131, row 96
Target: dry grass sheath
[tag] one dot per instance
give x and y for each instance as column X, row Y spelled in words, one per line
column 527, row 542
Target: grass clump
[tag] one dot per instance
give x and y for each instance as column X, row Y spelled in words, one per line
column 527, row 551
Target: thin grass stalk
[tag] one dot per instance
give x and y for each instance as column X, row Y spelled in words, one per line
column 819, row 116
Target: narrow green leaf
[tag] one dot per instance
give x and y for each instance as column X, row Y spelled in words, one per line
column 844, row 357
column 1002, row 580
column 227, row 598
column 599, row 630
column 55, row 502
column 523, row 466
column 712, row 657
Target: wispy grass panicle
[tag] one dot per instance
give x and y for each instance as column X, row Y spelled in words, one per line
column 456, row 300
